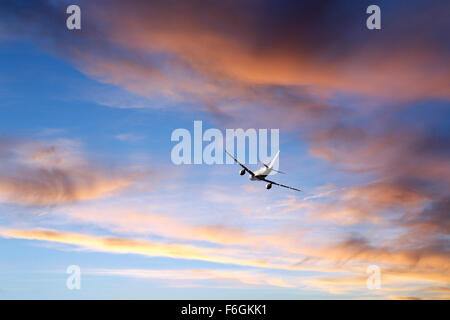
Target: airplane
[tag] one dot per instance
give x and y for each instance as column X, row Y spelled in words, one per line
column 262, row 173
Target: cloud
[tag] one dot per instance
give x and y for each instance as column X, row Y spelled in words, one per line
column 391, row 287
column 143, row 247
column 404, row 298
column 272, row 47
column 388, row 148
column 147, row 223
column 186, row 227
column 421, row 266
column 45, row 173
column 264, row 56
column 377, row 203
column 203, row 277
column 129, row 137
column 359, row 249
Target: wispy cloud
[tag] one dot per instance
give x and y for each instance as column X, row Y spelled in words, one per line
column 128, row 137
column 203, row 277
column 45, row 173
column 143, row 247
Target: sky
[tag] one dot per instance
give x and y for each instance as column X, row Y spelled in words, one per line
column 86, row 176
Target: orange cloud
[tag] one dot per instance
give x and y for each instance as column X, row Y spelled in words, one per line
column 173, row 49
column 46, row 173
column 203, row 277
column 235, row 56
column 147, row 223
column 366, row 203
column 142, row 247
column 391, row 287
column 400, row 268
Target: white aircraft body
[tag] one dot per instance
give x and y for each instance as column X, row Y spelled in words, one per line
column 262, row 173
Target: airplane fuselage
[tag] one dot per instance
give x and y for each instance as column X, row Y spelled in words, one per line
column 260, row 174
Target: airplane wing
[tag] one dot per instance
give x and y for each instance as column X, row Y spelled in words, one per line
column 281, row 185
column 244, row 167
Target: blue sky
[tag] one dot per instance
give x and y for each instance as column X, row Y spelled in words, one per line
column 85, row 171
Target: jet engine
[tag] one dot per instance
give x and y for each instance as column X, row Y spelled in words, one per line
column 242, row 172
column 268, row 186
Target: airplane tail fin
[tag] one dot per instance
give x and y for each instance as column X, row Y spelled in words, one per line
column 273, row 160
